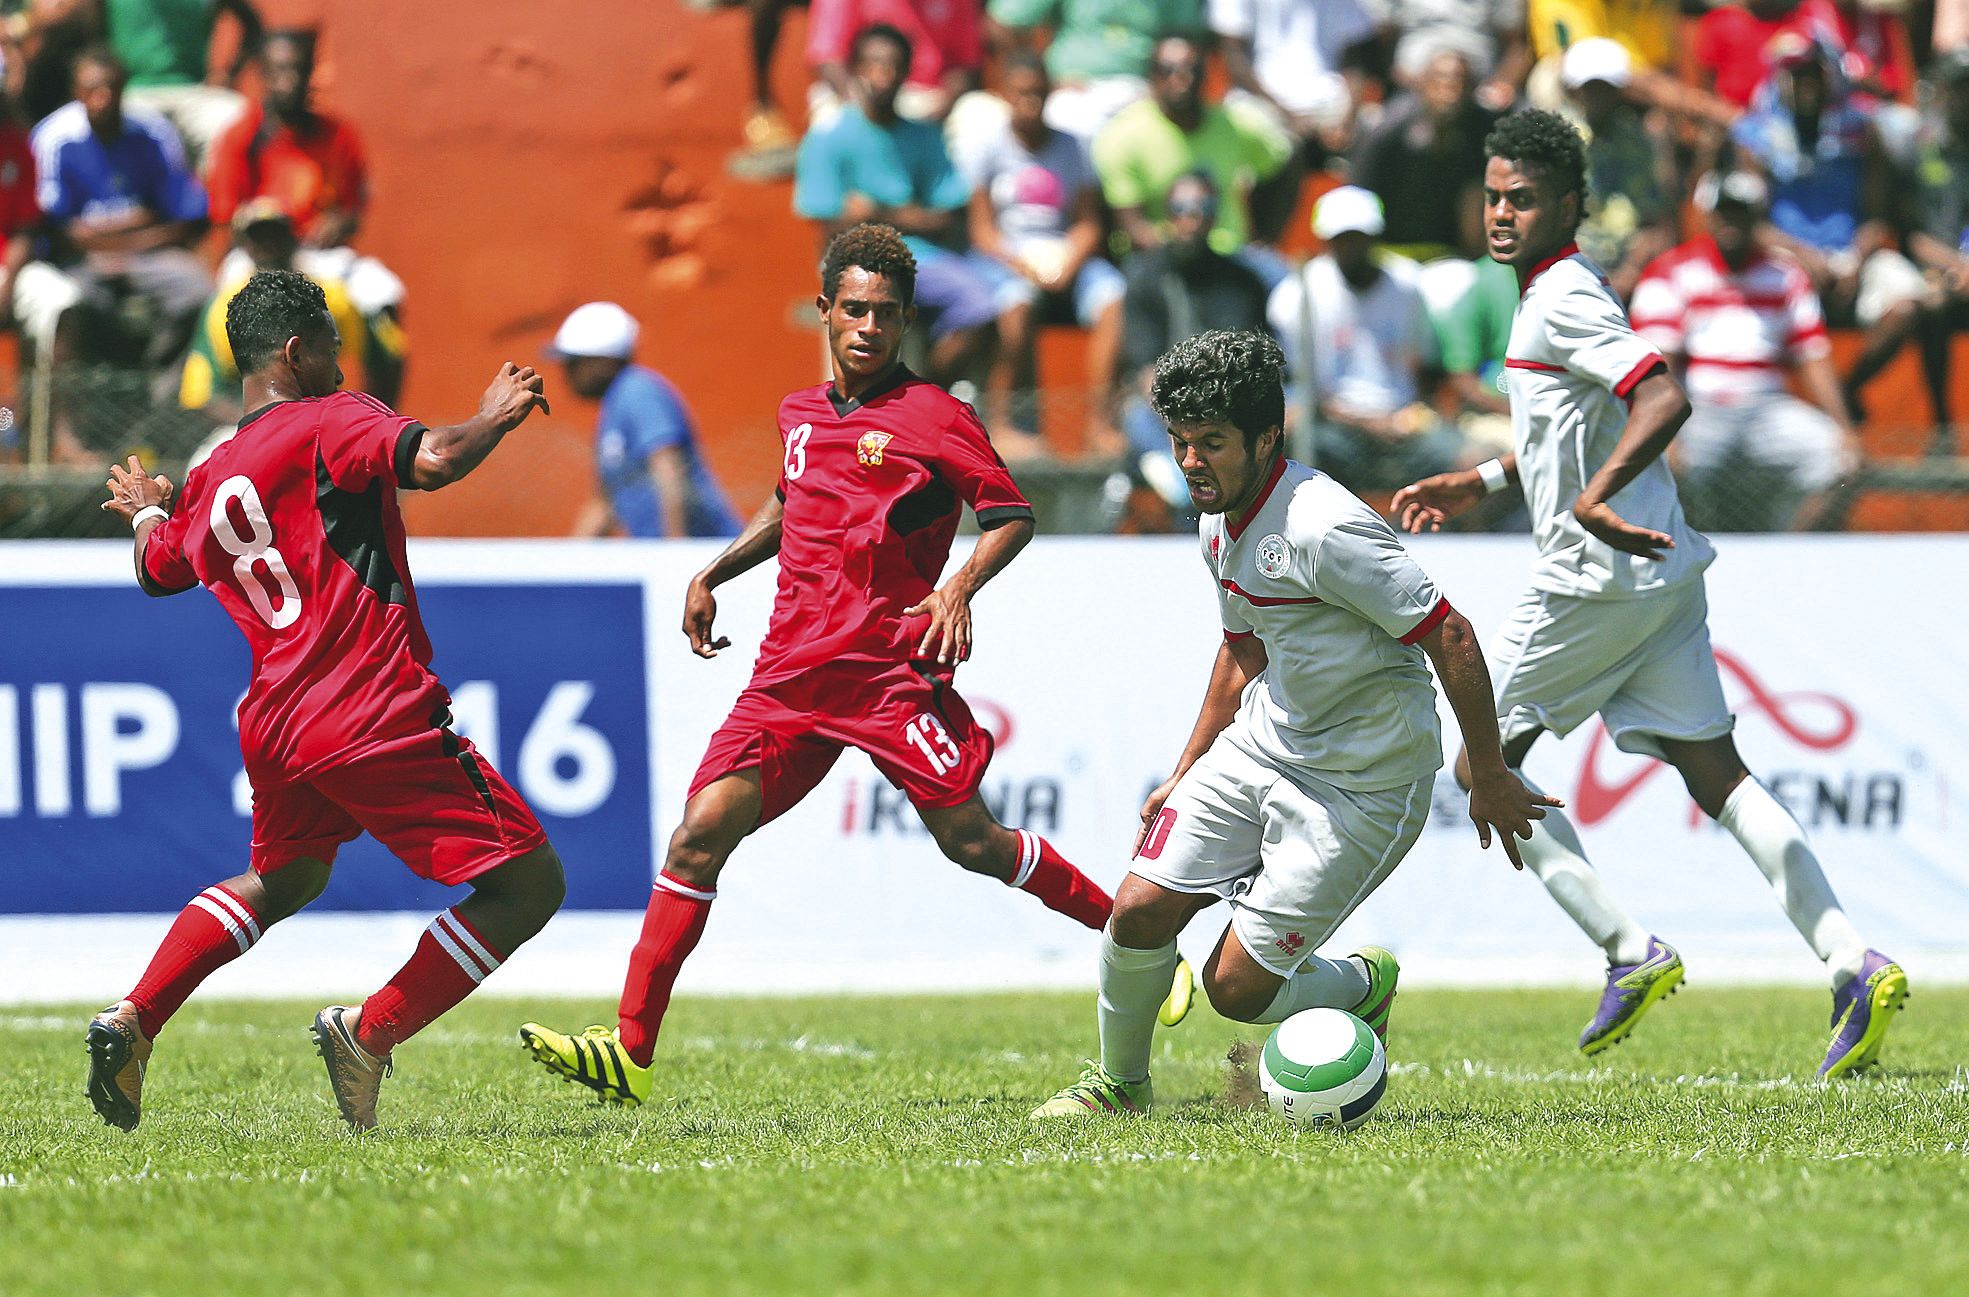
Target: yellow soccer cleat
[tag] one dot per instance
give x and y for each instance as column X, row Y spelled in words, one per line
column 1182, row 994
column 595, row 1059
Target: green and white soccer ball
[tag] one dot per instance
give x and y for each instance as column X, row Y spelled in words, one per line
column 1323, row 1067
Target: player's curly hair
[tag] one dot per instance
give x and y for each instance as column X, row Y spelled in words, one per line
column 873, row 247
column 1545, row 141
column 268, row 309
column 1236, row 376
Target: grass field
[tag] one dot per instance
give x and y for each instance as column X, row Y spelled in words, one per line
column 880, row 1145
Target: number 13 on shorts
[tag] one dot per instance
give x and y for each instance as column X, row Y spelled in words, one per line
column 930, row 738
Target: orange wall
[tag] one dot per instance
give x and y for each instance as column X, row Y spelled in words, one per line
column 527, row 158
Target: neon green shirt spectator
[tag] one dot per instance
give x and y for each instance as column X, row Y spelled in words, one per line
column 1475, row 331
column 1100, row 38
column 1141, row 153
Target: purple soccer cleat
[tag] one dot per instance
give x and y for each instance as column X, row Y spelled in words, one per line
column 1631, row 990
column 1862, row 1010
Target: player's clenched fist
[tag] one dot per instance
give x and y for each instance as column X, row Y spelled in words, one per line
column 700, row 611
column 513, row 393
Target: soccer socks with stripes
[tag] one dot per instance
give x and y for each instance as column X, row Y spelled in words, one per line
column 215, row 929
column 671, row 927
column 1554, row 853
column 451, row 959
column 1059, row 886
column 1319, row 984
column 1771, row 837
column 1133, row 985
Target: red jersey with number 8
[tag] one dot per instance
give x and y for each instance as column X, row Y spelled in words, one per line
column 873, row 488
column 294, row 526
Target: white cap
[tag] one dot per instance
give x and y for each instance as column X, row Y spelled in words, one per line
column 1348, row 208
column 597, row 329
column 1745, row 188
column 1596, row 59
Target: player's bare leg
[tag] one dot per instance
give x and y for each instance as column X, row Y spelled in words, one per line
column 219, row 925
column 1138, row 958
column 462, row 947
column 1867, row 987
column 973, row 839
column 1642, row 969
column 616, row 1063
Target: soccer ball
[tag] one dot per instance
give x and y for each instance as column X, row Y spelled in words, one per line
column 1323, row 1067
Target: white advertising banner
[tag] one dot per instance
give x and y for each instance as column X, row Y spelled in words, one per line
column 1091, row 658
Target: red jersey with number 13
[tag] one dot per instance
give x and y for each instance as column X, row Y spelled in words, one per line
column 873, row 488
column 293, row 524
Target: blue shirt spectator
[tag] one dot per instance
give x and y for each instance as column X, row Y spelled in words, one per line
column 642, row 413
column 902, row 164
column 90, row 177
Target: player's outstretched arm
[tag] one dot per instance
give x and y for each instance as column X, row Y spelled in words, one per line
column 753, row 546
column 449, row 453
column 948, row 636
column 1239, row 661
column 1499, row 800
column 1428, row 504
column 1660, row 407
column 131, row 493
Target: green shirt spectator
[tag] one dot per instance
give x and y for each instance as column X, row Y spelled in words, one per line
column 1100, row 38
column 1140, row 154
column 166, row 45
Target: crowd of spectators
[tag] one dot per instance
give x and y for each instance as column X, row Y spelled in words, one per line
column 1759, row 171
column 122, row 148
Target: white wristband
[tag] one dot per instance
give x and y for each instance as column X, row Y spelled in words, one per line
column 148, row 511
column 1493, row 475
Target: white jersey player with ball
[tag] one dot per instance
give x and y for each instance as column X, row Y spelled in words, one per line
column 1615, row 623
column 1307, row 777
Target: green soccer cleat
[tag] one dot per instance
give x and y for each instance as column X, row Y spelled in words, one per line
column 1379, row 1003
column 1096, row 1093
column 1182, row 994
column 595, row 1059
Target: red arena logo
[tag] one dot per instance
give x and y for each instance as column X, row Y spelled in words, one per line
column 1818, row 722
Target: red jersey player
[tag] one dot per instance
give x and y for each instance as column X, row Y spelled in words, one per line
column 861, row 646
column 293, row 525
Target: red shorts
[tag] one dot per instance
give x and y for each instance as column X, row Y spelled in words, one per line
column 913, row 725
column 429, row 798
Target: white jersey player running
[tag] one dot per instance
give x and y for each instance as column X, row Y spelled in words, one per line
column 1615, row 622
column 1308, row 774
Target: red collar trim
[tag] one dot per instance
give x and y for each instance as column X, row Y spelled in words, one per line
column 1236, row 525
column 1527, row 277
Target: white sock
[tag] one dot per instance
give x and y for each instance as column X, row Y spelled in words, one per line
column 1771, row 837
column 1134, row 984
column 1319, row 984
column 1554, row 853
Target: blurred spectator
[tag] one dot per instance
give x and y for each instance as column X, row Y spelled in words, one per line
column 1630, row 216
column 20, row 219
column 1298, row 59
column 1832, row 201
column 1731, row 41
column 651, row 479
column 1939, row 232
column 124, row 213
column 1872, row 39
column 1491, row 33
column 1147, row 146
column 1741, row 322
column 1097, row 50
column 265, row 235
column 770, row 139
column 312, row 164
column 1359, row 344
column 946, row 43
column 166, row 45
column 1650, row 31
column 870, row 164
column 1425, row 162
column 1472, row 336
column 1177, row 289
column 40, row 40
column 1036, row 230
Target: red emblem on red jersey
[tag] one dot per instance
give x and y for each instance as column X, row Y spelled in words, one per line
column 869, row 449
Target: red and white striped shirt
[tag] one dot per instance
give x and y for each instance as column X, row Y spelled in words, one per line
column 1739, row 332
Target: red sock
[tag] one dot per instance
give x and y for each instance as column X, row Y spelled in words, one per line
column 1046, row 874
column 671, row 927
column 451, row 959
column 215, row 929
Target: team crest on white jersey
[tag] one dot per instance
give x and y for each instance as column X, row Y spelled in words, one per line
column 1274, row 555
column 869, row 449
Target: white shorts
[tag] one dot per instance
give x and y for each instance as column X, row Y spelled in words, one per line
column 1643, row 664
column 1292, row 853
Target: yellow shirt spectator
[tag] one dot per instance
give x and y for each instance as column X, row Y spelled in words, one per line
column 210, row 367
